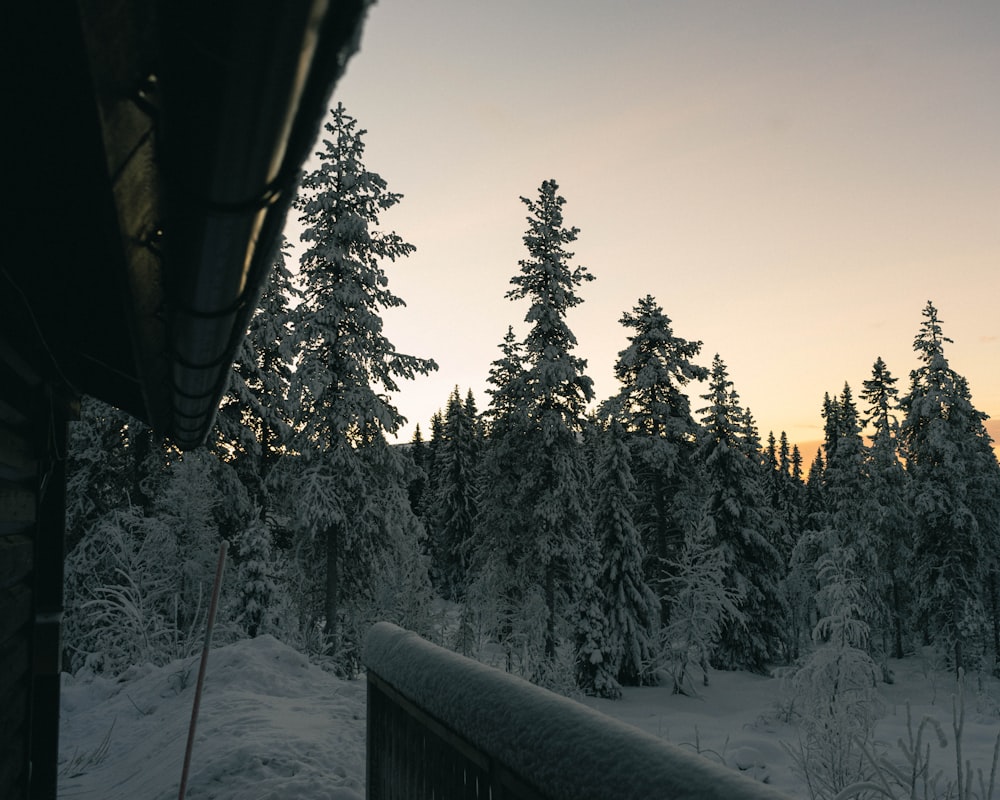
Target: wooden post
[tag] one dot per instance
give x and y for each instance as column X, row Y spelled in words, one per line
column 209, row 625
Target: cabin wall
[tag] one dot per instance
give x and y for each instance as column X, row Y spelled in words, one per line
column 32, row 519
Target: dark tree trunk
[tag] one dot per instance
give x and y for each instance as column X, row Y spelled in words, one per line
column 897, row 614
column 550, row 603
column 331, row 603
column 662, row 536
column 995, row 613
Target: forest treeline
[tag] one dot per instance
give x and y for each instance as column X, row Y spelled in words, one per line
column 578, row 543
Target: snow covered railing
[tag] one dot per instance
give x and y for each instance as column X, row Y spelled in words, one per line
column 444, row 726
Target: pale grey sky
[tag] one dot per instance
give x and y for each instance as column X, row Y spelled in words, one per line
column 791, row 180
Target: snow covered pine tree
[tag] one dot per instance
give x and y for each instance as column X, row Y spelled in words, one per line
column 347, row 367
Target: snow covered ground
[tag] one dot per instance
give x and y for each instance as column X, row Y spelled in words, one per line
column 273, row 725
column 739, row 720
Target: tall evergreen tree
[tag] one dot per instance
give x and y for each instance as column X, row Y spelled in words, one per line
column 556, row 393
column 498, row 550
column 506, row 388
column 736, row 509
column 455, row 504
column 631, row 608
column 953, row 493
column 256, row 576
column 347, row 368
column 785, row 491
column 786, row 495
column 430, row 457
column 749, row 435
column 598, row 650
column 419, row 454
column 852, row 520
column 888, row 498
column 472, row 414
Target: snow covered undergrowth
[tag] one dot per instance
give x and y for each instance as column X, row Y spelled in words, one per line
column 741, row 720
column 271, row 725
column 274, row 726
column 731, row 722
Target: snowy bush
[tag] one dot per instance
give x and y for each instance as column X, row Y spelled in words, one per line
column 122, row 604
column 701, row 604
column 139, row 579
column 833, row 689
column 908, row 775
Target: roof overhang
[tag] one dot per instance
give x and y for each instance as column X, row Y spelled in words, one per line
column 158, row 145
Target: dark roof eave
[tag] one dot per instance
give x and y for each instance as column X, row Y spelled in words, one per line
column 241, row 108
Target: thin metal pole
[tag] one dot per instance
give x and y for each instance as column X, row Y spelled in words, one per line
column 201, row 669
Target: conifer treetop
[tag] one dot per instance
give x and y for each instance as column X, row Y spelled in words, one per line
column 721, row 418
column 929, row 342
column 652, row 369
column 881, row 394
column 554, row 377
column 347, row 367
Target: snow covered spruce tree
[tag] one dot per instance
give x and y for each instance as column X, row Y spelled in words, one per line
column 420, row 454
column 557, row 392
column 785, row 491
column 779, row 489
column 343, row 475
column 256, row 570
column 954, row 492
column 549, row 392
column 498, row 595
column 735, row 510
column 656, row 414
column 852, row 520
column 598, row 651
column 428, row 463
column 630, row 609
column 251, row 431
column 452, row 513
column 887, row 493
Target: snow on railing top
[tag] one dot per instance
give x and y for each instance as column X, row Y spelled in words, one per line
column 563, row 748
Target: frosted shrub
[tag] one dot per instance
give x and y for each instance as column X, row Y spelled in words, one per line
column 524, row 642
column 911, row 777
column 397, row 590
column 701, row 604
column 558, row 674
column 401, row 592
column 510, row 619
column 834, row 688
column 122, row 604
column 481, row 617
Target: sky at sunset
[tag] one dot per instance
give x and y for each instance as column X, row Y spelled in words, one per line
column 792, row 181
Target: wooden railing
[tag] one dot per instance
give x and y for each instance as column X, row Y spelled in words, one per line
column 445, row 727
